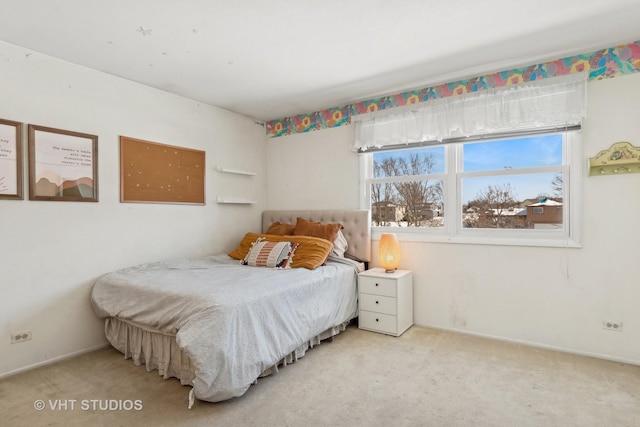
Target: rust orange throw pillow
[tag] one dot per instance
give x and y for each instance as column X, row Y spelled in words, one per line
column 316, row 229
column 281, row 229
column 311, row 253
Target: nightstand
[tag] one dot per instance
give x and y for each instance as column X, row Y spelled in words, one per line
column 385, row 301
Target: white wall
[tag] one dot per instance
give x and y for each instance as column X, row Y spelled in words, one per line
column 315, row 170
column 548, row 297
column 51, row 252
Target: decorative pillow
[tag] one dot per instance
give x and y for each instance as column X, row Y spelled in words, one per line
column 281, row 229
column 316, row 229
column 311, row 252
column 270, row 254
column 339, row 245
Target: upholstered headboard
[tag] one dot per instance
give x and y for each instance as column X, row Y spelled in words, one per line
column 357, row 226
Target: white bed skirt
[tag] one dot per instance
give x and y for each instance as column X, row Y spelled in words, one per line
column 157, row 350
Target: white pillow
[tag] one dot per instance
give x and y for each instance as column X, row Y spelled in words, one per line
column 340, row 245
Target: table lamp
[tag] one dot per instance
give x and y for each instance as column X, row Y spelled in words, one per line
column 389, row 252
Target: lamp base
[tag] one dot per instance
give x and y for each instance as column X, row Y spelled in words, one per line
column 390, row 271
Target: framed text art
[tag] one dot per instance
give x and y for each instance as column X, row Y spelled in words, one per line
column 160, row 173
column 10, row 160
column 63, row 165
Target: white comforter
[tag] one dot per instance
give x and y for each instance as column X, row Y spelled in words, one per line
column 233, row 321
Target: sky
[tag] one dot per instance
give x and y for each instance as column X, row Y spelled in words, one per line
column 536, row 151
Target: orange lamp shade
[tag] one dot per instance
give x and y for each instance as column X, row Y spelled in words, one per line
column 389, row 252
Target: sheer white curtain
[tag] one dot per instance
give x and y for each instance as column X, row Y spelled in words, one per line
column 547, row 103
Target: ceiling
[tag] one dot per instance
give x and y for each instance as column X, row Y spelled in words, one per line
column 278, row 58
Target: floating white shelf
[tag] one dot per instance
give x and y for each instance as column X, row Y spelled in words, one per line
column 235, row 171
column 235, row 200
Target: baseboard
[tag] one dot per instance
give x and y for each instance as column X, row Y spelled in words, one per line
column 541, row 346
column 54, row 360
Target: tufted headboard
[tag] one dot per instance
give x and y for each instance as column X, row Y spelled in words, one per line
column 357, row 226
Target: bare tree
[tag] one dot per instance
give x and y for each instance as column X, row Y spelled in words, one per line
column 557, row 183
column 381, row 194
column 490, row 206
column 414, row 196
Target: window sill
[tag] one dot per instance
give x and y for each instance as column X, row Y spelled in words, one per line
column 537, row 240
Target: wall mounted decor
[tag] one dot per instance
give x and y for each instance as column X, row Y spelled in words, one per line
column 63, row 165
column 10, row 160
column 620, row 158
column 159, row 173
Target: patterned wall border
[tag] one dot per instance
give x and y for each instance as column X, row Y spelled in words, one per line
column 602, row 64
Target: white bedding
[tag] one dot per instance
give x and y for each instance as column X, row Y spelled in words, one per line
column 233, row 321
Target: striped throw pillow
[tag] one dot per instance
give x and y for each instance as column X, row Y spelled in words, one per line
column 270, row 254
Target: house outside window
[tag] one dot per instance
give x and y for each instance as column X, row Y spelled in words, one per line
column 546, row 213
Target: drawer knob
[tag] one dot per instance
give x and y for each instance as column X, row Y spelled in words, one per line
column 376, row 302
column 377, row 320
column 376, row 284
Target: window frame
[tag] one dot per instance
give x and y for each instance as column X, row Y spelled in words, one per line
column 569, row 236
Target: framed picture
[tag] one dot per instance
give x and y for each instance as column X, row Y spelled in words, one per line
column 63, row 165
column 10, row 160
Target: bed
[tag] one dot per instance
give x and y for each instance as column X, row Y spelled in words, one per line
column 218, row 325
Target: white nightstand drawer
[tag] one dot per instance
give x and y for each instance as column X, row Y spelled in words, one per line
column 378, row 303
column 377, row 285
column 385, row 301
column 377, row 322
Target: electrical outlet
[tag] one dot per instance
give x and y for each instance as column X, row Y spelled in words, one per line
column 20, row 337
column 611, row 325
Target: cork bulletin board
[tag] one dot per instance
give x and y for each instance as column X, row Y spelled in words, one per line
column 159, row 173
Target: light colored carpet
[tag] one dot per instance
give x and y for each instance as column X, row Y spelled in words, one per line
column 424, row 378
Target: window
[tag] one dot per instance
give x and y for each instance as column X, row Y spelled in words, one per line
column 473, row 167
column 519, row 190
column 407, row 188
